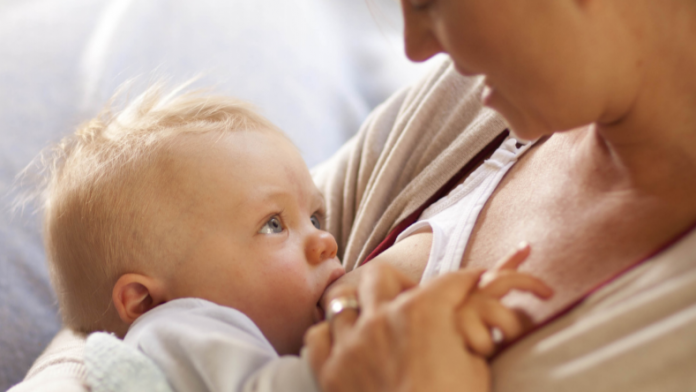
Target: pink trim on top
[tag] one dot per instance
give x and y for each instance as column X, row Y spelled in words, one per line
column 596, row 288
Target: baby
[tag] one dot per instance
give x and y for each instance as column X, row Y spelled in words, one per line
column 191, row 226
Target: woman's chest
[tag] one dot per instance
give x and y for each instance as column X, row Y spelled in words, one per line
column 579, row 236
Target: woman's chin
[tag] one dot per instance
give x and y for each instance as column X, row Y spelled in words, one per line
column 521, row 137
column 524, row 131
column 487, row 96
column 522, row 127
column 491, row 97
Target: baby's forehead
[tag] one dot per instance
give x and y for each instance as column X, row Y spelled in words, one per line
column 212, row 150
column 205, row 162
column 196, row 182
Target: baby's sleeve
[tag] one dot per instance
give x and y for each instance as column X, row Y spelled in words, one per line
column 201, row 346
column 287, row 373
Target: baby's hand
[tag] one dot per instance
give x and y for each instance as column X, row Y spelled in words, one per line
column 482, row 310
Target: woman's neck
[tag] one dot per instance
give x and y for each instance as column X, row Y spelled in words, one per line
column 657, row 162
column 651, row 144
column 654, row 146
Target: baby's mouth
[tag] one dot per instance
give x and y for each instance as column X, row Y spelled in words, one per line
column 319, row 313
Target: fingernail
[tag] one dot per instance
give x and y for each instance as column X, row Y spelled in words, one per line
column 522, row 245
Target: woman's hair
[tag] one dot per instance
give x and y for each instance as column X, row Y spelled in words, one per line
column 101, row 189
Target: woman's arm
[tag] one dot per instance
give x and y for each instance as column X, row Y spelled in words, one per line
column 431, row 337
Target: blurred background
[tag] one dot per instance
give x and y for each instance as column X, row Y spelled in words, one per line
column 316, row 68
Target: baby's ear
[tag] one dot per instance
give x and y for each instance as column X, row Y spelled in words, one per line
column 135, row 294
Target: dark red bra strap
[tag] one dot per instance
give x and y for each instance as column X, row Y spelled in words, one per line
column 409, row 220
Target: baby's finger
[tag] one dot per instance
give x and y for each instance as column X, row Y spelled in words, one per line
column 510, row 262
column 476, row 334
column 495, row 315
column 515, row 258
column 505, row 281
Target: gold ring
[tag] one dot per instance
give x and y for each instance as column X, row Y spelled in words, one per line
column 340, row 304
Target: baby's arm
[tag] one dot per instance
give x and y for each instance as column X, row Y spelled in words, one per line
column 287, row 373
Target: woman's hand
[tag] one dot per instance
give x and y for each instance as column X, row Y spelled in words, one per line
column 404, row 340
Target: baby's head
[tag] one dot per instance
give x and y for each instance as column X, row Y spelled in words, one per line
column 190, row 196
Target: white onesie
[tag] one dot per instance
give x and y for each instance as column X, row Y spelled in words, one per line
column 452, row 218
column 202, row 346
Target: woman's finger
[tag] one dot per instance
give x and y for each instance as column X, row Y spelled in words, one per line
column 380, row 284
column 346, row 283
column 342, row 321
column 505, row 281
column 337, row 291
column 317, row 346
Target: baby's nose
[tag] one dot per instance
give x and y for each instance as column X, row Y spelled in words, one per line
column 320, row 246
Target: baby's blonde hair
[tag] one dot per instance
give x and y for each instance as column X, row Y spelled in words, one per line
column 100, row 195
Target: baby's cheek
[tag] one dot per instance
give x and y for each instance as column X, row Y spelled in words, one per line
column 294, row 289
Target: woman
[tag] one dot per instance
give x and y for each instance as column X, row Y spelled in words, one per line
column 612, row 203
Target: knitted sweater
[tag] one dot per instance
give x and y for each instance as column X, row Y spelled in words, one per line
column 406, row 151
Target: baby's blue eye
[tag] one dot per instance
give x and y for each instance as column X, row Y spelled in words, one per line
column 315, row 222
column 273, row 226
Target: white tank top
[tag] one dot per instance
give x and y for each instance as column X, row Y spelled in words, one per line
column 452, row 218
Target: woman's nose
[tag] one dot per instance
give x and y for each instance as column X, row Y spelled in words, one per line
column 419, row 41
column 320, row 246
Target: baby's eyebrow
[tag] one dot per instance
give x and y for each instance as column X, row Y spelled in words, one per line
column 319, row 199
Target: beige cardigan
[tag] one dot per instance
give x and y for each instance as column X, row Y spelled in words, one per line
column 638, row 333
column 404, row 153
